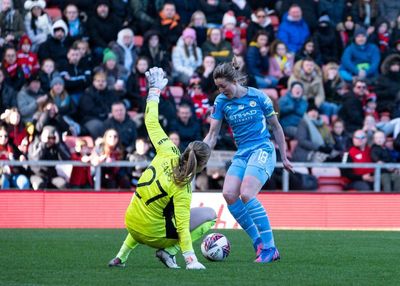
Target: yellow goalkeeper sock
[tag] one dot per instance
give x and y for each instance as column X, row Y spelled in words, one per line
column 126, row 248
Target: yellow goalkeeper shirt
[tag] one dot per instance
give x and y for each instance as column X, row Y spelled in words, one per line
column 160, row 208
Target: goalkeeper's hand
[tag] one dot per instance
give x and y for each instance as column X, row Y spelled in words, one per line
column 157, row 81
column 191, row 261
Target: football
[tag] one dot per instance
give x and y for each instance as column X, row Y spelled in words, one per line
column 215, row 247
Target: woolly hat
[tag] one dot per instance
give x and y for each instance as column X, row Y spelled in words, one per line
column 229, row 18
column 24, row 40
column 311, row 106
column 296, row 83
column 360, row 31
column 102, row 2
column 189, row 32
column 56, row 80
column 29, row 5
column 109, row 55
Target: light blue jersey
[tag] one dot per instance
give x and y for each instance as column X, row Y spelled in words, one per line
column 246, row 116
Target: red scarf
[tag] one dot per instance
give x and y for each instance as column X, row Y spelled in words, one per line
column 11, row 69
column 383, row 41
column 168, row 21
column 142, row 86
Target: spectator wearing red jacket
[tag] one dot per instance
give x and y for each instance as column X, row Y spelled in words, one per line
column 26, row 59
column 81, row 177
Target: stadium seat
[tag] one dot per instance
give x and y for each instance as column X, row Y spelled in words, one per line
column 177, row 93
column 325, row 172
column 138, row 41
column 329, row 179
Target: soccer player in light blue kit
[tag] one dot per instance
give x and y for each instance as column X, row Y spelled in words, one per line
column 248, row 111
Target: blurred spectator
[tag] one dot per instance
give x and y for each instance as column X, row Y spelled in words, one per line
column 169, row 25
column 370, row 106
column 346, row 30
column 46, row 73
column 144, row 14
column 31, row 99
column 315, row 142
column 308, row 8
column 123, row 124
column 292, row 107
column 142, row 153
column 187, row 126
column 369, row 127
column 85, row 53
column 341, row 138
column 125, row 49
column 232, row 33
column 333, row 8
column 81, row 177
column 10, row 177
column 280, row 62
column 327, row 40
column 381, row 36
column 309, row 50
column 242, row 10
column 396, row 31
column 214, row 11
column 217, row 47
column 110, row 151
column 123, row 11
column 116, row 74
column 95, row 105
column 11, row 24
column 76, row 25
column 360, row 59
column 176, row 139
column 293, row 30
column 12, row 72
column 257, row 59
column 352, row 111
column 334, row 86
column 137, row 86
column 185, row 9
column 102, row 28
column 155, row 51
column 75, row 74
column 8, row 97
column 310, row 75
column 198, row 98
column 361, row 179
column 260, row 20
column 15, row 128
column 47, row 147
column 27, row 60
column 57, row 44
column 205, row 72
column 365, row 13
column 198, row 22
column 391, row 127
column 389, row 10
column 186, row 57
column 381, row 154
column 37, row 22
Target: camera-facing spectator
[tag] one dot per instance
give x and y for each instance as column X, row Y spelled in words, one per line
column 125, row 49
column 217, row 47
column 260, row 20
column 26, row 59
column 76, row 25
column 155, row 50
column 81, row 177
column 11, row 24
column 12, row 72
column 169, row 25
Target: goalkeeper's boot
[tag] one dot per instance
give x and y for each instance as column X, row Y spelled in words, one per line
column 258, row 246
column 268, row 255
column 167, row 259
column 116, row 262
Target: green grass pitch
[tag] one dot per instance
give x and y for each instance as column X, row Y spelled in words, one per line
column 80, row 257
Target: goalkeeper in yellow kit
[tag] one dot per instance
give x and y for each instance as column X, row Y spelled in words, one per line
column 159, row 214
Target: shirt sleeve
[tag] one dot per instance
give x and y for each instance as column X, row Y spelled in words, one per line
column 157, row 135
column 266, row 105
column 182, row 200
column 217, row 110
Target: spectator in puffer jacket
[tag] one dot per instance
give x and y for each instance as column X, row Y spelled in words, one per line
column 360, row 59
column 125, row 49
column 293, row 30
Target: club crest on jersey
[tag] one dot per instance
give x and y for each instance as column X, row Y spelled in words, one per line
column 253, row 103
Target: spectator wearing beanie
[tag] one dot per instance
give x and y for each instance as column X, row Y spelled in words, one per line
column 231, row 32
column 37, row 22
column 292, row 107
column 327, row 40
column 186, row 57
column 116, row 73
column 27, row 60
column 360, row 59
column 102, row 28
column 57, row 45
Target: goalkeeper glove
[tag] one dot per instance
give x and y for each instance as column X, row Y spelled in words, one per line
column 191, row 261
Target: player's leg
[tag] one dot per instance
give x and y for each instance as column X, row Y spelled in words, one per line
column 127, row 246
column 231, row 192
column 260, row 167
column 202, row 219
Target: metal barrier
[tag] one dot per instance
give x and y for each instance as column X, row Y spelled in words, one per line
column 212, row 164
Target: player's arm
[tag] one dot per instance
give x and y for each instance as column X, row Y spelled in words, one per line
column 280, row 140
column 157, row 82
column 212, row 135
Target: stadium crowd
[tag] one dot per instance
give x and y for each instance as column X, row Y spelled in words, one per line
column 72, row 83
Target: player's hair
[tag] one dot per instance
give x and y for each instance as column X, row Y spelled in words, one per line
column 193, row 159
column 231, row 72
